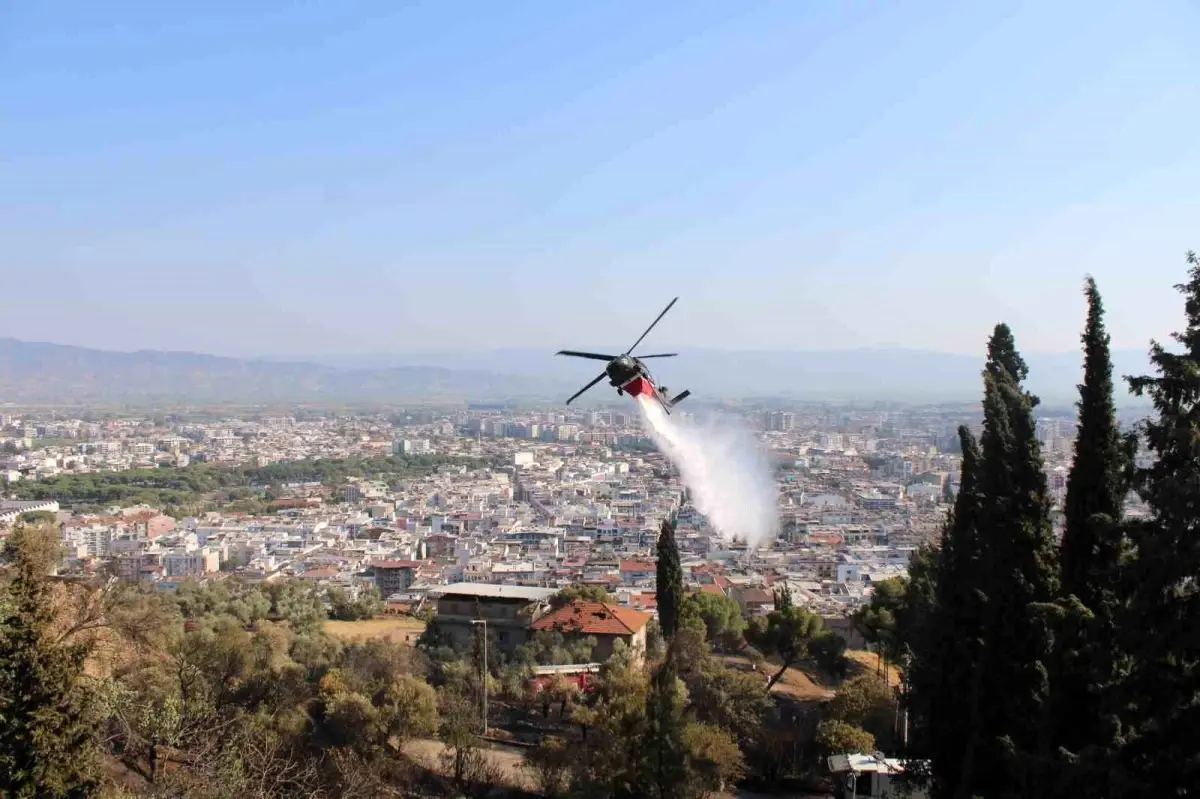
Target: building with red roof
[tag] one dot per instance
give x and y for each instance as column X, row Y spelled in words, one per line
column 638, row 572
column 602, row 621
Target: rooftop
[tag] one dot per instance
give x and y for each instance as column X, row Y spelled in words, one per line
column 860, row 763
column 593, row 618
column 493, row 591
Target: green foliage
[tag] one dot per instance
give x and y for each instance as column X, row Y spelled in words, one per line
column 837, row 737
column 47, row 715
column 551, row 763
column 1089, row 662
column 293, row 601
column 785, row 633
column 253, row 708
column 367, row 605
column 612, row 759
column 297, row 603
column 1018, row 547
column 713, row 759
column 38, row 517
column 879, row 619
column 980, row 678
column 407, row 708
column 867, row 702
column 669, row 582
column 730, row 699
column 1096, row 484
column 828, row 651
column 667, row 762
column 1164, row 604
column 946, row 664
column 585, row 593
column 551, row 648
column 722, row 617
column 177, row 488
column 460, row 725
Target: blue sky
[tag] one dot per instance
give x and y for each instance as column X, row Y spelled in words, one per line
column 244, row 177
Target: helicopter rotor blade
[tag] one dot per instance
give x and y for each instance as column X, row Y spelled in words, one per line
column 652, row 324
column 658, row 355
column 595, row 356
column 599, row 377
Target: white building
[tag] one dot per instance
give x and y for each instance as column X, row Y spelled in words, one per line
column 191, row 564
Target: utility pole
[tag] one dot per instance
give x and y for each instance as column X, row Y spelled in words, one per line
column 484, row 675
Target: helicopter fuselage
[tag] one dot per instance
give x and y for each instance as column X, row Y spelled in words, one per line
column 630, row 376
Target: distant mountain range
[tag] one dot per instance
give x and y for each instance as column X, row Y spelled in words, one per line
column 857, row 374
column 39, row 372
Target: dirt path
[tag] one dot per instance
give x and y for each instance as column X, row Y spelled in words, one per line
column 510, row 761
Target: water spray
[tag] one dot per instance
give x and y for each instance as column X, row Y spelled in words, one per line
column 723, row 467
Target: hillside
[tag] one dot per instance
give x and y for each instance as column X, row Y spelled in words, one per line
column 38, row 372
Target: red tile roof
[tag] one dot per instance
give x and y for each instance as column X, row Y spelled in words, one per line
column 638, row 566
column 644, row 600
column 395, row 564
column 710, row 588
column 593, row 618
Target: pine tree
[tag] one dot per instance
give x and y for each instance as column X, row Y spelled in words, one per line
column 46, row 736
column 1163, row 752
column 669, row 583
column 1020, row 575
column 1087, row 657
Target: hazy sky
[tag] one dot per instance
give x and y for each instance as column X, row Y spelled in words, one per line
column 243, row 176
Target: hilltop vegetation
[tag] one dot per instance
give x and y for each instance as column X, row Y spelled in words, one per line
column 230, row 689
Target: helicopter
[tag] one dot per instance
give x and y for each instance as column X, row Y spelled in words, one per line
column 628, row 373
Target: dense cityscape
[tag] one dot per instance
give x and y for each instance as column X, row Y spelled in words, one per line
column 539, row 499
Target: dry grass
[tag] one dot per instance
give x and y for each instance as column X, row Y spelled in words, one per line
column 869, row 662
column 794, row 684
column 401, row 629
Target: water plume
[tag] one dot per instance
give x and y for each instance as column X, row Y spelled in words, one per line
column 723, row 467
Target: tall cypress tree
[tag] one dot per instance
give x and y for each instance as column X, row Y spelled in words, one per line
column 1096, row 485
column 666, row 759
column 1163, row 751
column 1017, row 546
column 1087, row 661
column 46, row 737
column 946, row 661
column 669, row 581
